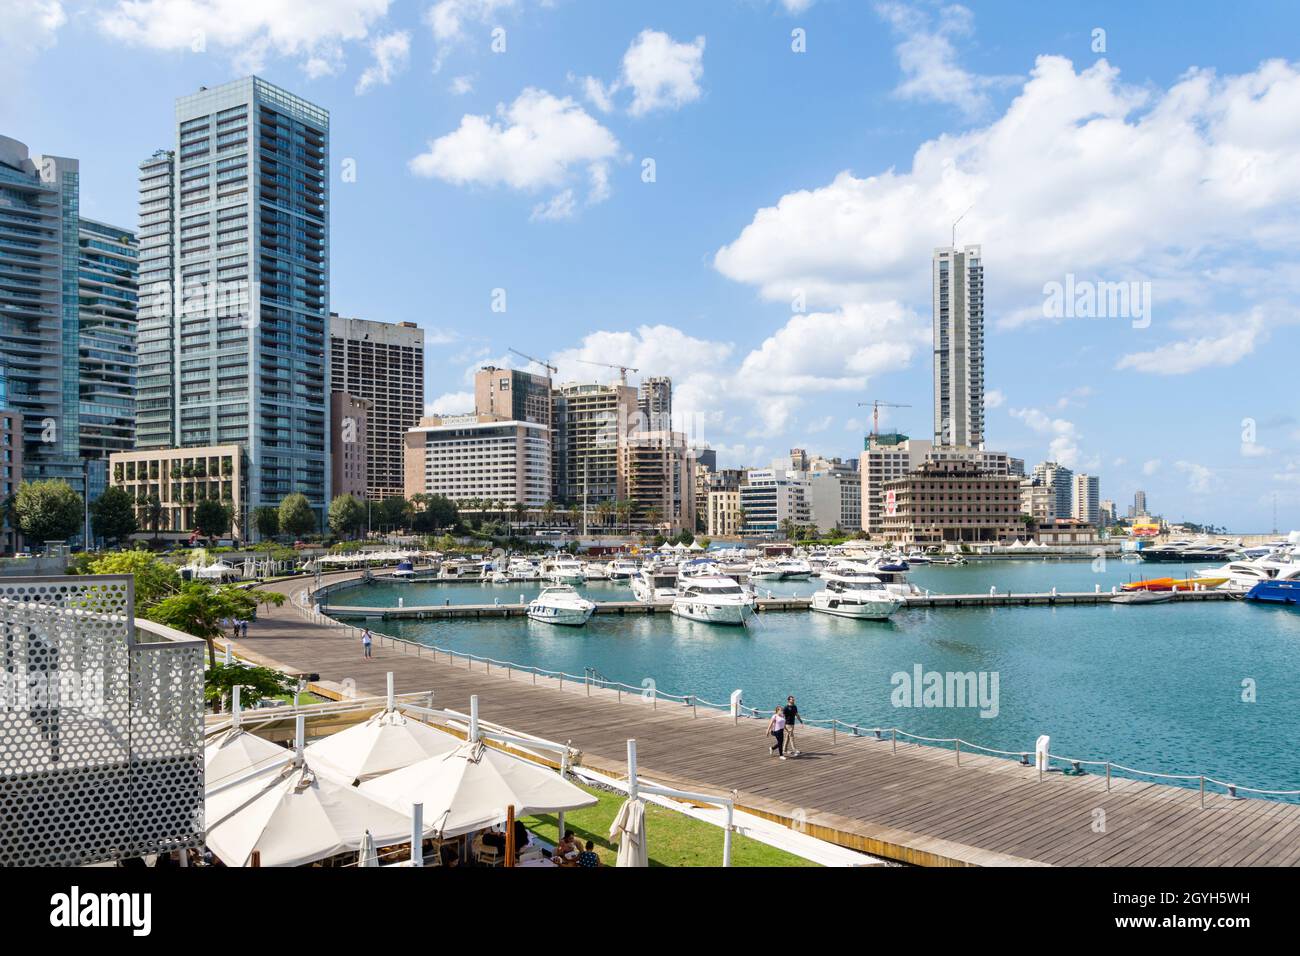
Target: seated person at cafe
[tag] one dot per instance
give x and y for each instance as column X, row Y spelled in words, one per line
column 522, row 837
column 588, row 856
column 567, row 849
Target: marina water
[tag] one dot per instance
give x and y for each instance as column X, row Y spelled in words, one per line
column 1165, row 688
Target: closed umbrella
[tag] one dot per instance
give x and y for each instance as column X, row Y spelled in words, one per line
column 368, row 855
column 628, row 829
column 386, row 742
column 296, row 817
column 471, row 788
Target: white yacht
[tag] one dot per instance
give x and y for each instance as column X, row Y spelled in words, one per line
column 861, row 596
column 1248, row 573
column 521, row 569
column 563, row 571
column 561, row 604
column 622, row 569
column 764, row 570
column 918, row 557
column 655, row 585
column 892, row 574
column 595, row 571
column 794, row 569
column 714, row 600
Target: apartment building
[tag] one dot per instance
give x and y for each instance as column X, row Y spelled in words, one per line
column 885, row 457
column 349, row 419
column 952, row 500
column 591, row 424
column 479, row 457
column 180, row 478
column 659, row 475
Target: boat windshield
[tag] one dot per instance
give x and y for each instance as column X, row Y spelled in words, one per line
column 716, row 589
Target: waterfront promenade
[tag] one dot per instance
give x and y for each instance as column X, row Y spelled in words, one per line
column 906, row 802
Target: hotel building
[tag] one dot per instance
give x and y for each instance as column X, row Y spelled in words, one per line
column 180, row 478
column 468, row 457
column 242, row 205
column 952, row 500
column 958, row 287
column 769, row 498
column 39, row 309
column 885, row 458
column 381, row 363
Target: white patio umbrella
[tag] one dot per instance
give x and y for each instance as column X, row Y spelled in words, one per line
column 368, row 855
column 386, row 742
column 470, row 788
column 236, row 753
column 628, row 829
column 296, row 817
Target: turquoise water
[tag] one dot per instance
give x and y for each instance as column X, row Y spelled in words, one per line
column 1158, row 688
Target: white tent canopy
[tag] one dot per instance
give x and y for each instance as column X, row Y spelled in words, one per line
column 695, row 546
column 470, row 788
column 386, row 742
column 236, row 753
column 296, row 817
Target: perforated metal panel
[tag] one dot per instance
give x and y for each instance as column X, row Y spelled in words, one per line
column 100, row 732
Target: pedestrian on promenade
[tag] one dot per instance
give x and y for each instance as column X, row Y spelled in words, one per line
column 776, row 727
column 791, row 714
column 366, row 641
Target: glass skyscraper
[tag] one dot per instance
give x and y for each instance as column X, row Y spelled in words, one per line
column 234, row 235
column 39, row 222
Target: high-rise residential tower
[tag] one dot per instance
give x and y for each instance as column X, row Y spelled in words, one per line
column 591, row 425
column 655, row 402
column 510, row 393
column 39, row 320
column 155, row 401
column 1087, row 498
column 958, row 346
column 249, row 297
column 1061, row 480
column 381, row 363
column 108, row 302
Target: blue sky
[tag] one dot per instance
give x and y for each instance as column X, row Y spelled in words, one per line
column 777, row 266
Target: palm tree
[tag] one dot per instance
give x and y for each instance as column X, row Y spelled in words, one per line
column 652, row 517
column 624, row 510
column 521, row 510
column 603, row 510
column 787, row 528
column 548, row 511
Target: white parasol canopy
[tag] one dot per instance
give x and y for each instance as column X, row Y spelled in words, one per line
column 628, row 829
column 470, row 788
column 296, row 817
column 236, row 753
column 386, row 742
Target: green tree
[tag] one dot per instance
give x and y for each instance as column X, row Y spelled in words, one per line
column 392, row 514
column 220, row 680
column 113, row 515
column 266, row 520
column 199, row 609
column 48, row 510
column 296, row 516
column 211, row 519
column 347, row 515
column 153, row 513
column 155, row 579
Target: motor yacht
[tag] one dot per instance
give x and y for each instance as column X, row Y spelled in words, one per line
column 561, row 604
column 892, row 574
column 713, row 600
column 622, row 569
column 861, row 596
column 595, row 571
column 794, row 569
column 404, row 571
column 764, row 570
column 655, row 585
column 563, row 571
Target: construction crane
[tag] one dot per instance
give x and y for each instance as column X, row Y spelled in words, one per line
column 536, row 361
column 622, row 369
column 876, row 406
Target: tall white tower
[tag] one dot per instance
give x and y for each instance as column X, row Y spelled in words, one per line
column 958, row 347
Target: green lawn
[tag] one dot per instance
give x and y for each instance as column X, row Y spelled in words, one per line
column 673, row 839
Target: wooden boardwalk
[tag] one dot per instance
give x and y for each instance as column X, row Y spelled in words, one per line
column 915, row 805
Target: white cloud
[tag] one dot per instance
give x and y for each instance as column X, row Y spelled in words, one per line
column 662, row 74
column 1238, row 337
column 451, row 403
column 796, row 6
column 1151, row 466
column 1173, row 179
column 30, row 26
column 251, row 30
column 392, row 51
column 928, row 59
column 559, row 206
column 1064, row 446
column 461, row 85
column 1250, row 449
column 994, row 398
column 1200, row 480
column 537, row 141
column 447, row 18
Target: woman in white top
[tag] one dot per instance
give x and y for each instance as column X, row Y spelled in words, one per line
column 776, row 727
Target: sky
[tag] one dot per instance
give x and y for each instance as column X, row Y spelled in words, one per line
column 745, row 195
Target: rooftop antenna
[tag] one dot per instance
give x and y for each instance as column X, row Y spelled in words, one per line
column 957, row 220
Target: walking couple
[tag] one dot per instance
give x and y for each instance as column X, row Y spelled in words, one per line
column 781, row 727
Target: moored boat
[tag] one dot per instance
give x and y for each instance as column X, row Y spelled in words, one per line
column 713, row 600
column 561, row 604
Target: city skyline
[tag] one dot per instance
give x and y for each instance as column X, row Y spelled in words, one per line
column 690, row 276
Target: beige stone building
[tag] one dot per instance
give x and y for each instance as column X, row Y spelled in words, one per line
column 952, row 501
column 181, row 478
column 724, row 514
column 349, row 419
column 659, row 475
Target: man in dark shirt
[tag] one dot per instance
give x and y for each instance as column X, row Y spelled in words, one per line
column 791, row 714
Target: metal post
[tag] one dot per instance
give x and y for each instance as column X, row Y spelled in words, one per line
column 392, row 703
column 586, row 680
column 417, row 834
column 726, row 835
column 893, row 738
column 631, row 769
column 1202, row 791
column 1108, row 776
column 299, row 737
column 959, row 752
column 473, row 718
